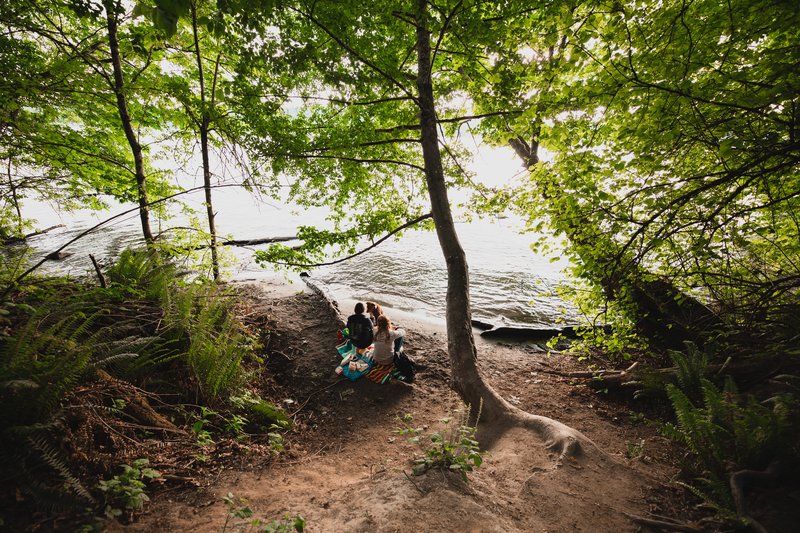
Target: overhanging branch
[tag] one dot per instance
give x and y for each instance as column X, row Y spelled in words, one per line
column 373, row 245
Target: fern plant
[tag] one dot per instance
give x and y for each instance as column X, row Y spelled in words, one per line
column 40, row 362
column 197, row 327
column 726, row 431
column 144, row 272
column 215, row 342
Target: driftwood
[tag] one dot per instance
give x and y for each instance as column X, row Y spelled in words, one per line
column 481, row 325
column 253, row 242
column 526, row 334
column 59, row 255
column 243, row 242
column 100, row 275
column 746, row 372
column 14, row 240
column 325, row 294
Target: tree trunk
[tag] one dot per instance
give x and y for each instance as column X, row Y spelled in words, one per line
column 14, row 199
column 205, row 121
column 122, row 106
column 466, row 378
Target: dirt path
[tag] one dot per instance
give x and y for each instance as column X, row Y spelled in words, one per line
column 347, row 469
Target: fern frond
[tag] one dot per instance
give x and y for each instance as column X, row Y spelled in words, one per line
column 55, row 460
column 113, row 361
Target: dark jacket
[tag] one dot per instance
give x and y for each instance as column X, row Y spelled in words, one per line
column 360, row 328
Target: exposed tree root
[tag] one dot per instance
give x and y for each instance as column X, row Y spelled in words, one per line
column 741, row 479
column 559, row 438
column 136, row 404
column 662, row 524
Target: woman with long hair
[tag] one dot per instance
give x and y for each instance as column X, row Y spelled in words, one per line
column 374, row 310
column 387, row 341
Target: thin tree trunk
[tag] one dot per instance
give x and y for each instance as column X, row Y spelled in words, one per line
column 467, row 380
column 14, row 198
column 205, row 121
column 122, row 106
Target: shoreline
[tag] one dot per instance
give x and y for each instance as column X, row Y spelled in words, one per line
column 277, row 285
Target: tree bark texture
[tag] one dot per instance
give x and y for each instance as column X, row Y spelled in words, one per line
column 124, row 115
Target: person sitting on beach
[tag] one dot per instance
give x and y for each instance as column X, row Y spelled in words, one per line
column 387, row 341
column 360, row 329
column 374, row 311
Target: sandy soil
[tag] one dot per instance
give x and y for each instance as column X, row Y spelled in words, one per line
column 347, row 469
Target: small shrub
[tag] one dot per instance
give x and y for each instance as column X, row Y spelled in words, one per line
column 126, row 491
column 454, row 448
column 202, row 435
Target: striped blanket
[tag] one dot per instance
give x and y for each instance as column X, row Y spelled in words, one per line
column 376, row 373
column 383, row 374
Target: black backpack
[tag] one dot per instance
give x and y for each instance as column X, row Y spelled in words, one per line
column 405, row 365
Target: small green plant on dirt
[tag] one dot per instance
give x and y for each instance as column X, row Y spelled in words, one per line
column 259, row 411
column 276, row 444
column 244, row 521
column 235, row 425
column 634, row 450
column 203, row 435
column 454, row 448
column 126, row 491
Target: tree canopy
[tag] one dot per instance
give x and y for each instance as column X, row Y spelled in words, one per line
column 660, row 141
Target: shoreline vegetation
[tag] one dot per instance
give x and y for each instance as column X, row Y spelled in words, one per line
column 115, row 397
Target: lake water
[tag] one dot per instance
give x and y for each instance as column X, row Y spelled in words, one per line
column 510, row 285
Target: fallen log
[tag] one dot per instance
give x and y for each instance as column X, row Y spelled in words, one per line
column 14, row 240
column 527, row 334
column 136, row 405
column 325, row 294
column 243, row 242
column 253, row 242
column 481, row 325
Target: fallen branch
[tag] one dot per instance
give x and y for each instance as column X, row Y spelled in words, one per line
column 100, row 275
column 314, row 394
column 413, row 483
column 14, row 240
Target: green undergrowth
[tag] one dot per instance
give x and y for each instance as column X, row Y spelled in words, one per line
column 453, row 448
column 83, row 366
column 242, row 519
column 726, row 430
